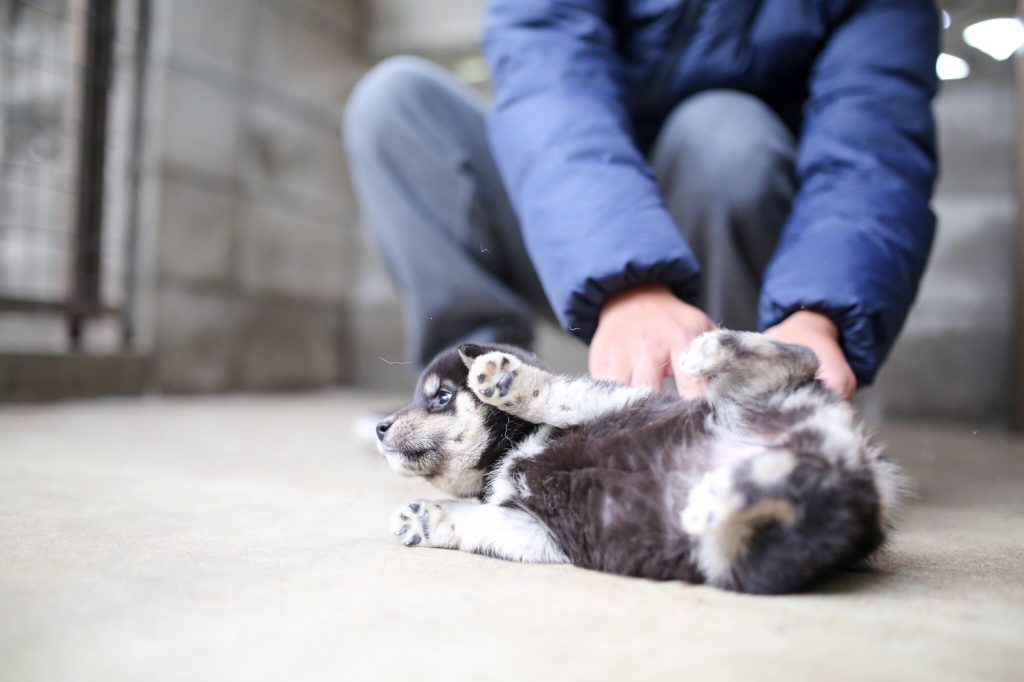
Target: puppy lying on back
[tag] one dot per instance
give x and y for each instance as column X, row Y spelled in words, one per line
column 764, row 485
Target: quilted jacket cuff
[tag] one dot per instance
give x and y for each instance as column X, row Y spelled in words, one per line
column 580, row 313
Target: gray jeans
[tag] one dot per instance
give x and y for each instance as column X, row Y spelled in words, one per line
column 434, row 203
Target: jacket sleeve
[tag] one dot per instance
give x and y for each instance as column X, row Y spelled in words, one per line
column 858, row 238
column 592, row 218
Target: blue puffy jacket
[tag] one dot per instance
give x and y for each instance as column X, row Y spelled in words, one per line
column 583, row 85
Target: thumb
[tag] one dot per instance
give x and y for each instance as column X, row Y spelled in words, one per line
column 842, row 382
column 687, row 385
column 690, row 387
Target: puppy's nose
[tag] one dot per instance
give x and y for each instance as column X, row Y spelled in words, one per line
column 382, row 428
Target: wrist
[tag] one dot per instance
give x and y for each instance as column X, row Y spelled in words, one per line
column 811, row 321
column 638, row 294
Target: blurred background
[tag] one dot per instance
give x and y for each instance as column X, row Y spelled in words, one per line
column 176, row 214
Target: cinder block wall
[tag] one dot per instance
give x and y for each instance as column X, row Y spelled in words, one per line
column 250, row 224
column 954, row 357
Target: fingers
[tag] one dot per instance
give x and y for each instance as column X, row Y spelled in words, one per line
column 819, row 333
column 688, row 386
column 835, row 378
column 833, row 370
column 620, row 365
column 648, row 370
column 638, row 335
column 608, row 365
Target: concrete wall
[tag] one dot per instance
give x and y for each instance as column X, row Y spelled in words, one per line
column 250, row 220
column 436, row 27
column 955, row 356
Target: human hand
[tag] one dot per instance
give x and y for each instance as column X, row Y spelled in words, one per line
column 640, row 332
column 819, row 333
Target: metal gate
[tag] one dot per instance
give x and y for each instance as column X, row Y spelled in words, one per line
column 71, row 78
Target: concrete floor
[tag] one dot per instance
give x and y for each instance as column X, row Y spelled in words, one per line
column 245, row 538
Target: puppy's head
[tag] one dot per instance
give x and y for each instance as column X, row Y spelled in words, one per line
column 446, row 434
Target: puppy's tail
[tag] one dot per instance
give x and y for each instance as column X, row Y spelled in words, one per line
column 779, row 521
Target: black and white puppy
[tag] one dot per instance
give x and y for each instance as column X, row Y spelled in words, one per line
column 765, row 484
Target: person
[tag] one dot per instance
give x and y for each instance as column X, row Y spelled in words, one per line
column 651, row 170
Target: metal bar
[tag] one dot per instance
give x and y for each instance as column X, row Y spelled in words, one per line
column 1017, row 375
column 49, row 307
column 135, row 174
column 99, row 49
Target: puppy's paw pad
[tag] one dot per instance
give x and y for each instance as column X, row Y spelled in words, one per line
column 415, row 523
column 493, row 374
column 710, row 502
column 709, row 352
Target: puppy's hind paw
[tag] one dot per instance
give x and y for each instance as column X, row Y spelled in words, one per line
column 709, row 353
column 710, row 502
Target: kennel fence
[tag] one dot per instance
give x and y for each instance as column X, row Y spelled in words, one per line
column 71, row 78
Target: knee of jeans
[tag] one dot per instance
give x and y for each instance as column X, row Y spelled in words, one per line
column 730, row 145
column 382, row 98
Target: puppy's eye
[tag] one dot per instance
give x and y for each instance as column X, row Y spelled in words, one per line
column 444, row 396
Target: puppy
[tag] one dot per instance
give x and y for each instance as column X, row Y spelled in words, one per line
column 764, row 485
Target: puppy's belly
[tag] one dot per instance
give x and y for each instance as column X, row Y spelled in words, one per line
column 729, row 449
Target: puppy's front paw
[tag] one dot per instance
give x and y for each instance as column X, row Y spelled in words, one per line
column 492, row 376
column 420, row 521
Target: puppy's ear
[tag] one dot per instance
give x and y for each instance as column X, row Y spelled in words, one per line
column 469, row 352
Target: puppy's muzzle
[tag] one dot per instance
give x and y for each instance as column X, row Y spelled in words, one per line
column 382, row 428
